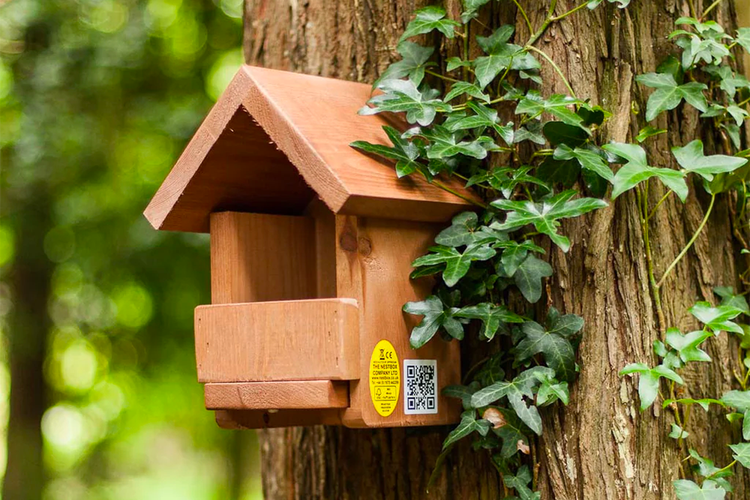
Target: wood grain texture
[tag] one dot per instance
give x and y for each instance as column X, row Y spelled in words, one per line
column 600, row 447
column 268, row 341
column 276, row 138
column 296, row 394
column 260, row 258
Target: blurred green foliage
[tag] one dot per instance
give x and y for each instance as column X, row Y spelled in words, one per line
column 97, row 99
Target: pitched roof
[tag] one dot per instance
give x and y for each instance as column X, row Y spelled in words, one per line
column 275, row 140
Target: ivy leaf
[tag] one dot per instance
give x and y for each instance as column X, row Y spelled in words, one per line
column 545, row 215
column 557, row 105
column 648, row 385
column 558, row 133
column 520, row 482
column 687, row 345
column 483, row 117
column 737, row 399
column 557, row 350
column 428, row 19
column 460, row 88
column 692, row 159
column 457, row 263
column 491, row 316
column 435, row 316
column 649, row 131
column 501, row 55
column 462, row 231
column 468, row 425
column 686, row 489
column 637, row 170
column 402, row 96
column 500, row 180
column 669, row 94
column 472, row 7
column 706, row 468
column 515, row 253
column 741, row 453
column 404, row 152
column 743, row 38
column 528, row 277
column 678, row 432
column 413, row 62
column 588, row 160
column 620, row 3
column 704, row 403
column 728, row 298
column 717, row 318
column 565, row 325
column 445, row 144
column 462, row 392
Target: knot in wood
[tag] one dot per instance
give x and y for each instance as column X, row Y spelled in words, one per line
column 365, row 246
column 348, row 241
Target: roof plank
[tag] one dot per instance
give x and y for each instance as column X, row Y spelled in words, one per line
column 274, row 140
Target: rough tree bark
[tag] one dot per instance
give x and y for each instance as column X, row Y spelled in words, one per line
column 600, row 447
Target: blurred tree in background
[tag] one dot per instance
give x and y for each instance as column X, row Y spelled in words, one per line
column 97, row 376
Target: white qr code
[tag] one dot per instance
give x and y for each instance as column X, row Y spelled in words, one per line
column 420, row 386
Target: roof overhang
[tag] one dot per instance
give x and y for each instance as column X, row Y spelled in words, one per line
column 275, row 140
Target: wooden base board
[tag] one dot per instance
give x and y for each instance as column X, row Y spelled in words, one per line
column 259, row 419
column 295, row 394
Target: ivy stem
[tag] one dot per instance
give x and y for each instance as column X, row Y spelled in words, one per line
column 709, row 9
column 460, row 195
column 466, row 51
column 525, row 17
column 642, row 200
column 693, row 13
column 571, row 11
column 723, row 469
column 689, row 243
column 557, row 69
column 677, row 418
column 442, row 77
column 744, row 102
column 658, row 204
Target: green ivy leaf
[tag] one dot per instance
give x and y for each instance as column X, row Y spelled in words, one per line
column 669, row 94
column 520, row 482
column 692, row 159
column 414, row 61
column 514, row 254
column 491, row 315
column 558, row 133
column 649, row 131
column 588, row 159
column 545, row 215
column 687, row 345
column 404, row 152
column 462, row 231
column 435, row 316
column 462, row 392
column 637, row 170
column 742, row 453
column 428, row 19
column 445, row 144
column 737, row 399
column 402, row 96
column 743, row 38
column 501, row 55
column 728, row 298
column 484, row 117
column 468, row 425
column 529, row 275
column 565, row 325
column 557, row 350
column 471, row 9
column 678, row 432
column 620, row 3
column 688, row 490
column 457, row 263
column 506, row 179
column 470, row 89
column 717, row 318
column 648, row 385
column 557, row 105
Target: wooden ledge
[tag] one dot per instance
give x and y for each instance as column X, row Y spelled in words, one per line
column 275, row 341
column 297, row 394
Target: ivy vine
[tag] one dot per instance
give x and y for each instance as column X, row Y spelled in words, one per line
column 534, row 160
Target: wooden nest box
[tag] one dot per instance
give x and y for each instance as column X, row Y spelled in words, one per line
column 311, row 250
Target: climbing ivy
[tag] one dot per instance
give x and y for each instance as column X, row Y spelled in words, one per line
column 529, row 161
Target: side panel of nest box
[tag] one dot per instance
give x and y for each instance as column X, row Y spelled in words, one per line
column 398, row 386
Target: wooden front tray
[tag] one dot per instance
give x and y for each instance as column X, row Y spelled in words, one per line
column 292, row 394
column 275, row 341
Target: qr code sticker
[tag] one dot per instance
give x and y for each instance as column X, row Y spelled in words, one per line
column 420, row 386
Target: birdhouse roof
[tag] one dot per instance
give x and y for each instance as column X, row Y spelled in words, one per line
column 276, row 140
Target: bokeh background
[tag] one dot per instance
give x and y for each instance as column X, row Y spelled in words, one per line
column 97, row 99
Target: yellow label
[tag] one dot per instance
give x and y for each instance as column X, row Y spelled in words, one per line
column 385, row 378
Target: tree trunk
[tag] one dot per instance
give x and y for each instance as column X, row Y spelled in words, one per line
column 600, row 446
